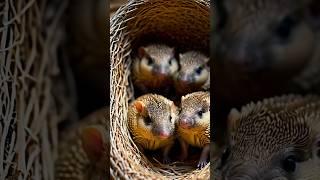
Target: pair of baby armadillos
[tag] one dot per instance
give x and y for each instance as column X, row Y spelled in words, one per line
column 154, row 122
column 157, row 67
column 277, row 138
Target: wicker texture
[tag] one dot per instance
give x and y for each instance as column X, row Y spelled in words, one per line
column 183, row 24
column 115, row 5
column 33, row 97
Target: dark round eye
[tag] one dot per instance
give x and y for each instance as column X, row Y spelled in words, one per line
column 170, row 62
column 199, row 70
column 150, row 61
column 147, row 120
column 200, row 113
column 284, row 29
column 289, row 164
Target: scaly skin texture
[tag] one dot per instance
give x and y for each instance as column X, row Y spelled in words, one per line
column 84, row 149
column 153, row 68
column 151, row 121
column 194, row 73
column 194, row 124
column 277, row 138
column 265, row 48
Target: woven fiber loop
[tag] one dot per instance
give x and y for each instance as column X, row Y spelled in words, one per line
column 181, row 23
column 33, row 94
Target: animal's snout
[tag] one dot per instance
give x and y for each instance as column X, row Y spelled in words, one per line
column 185, row 122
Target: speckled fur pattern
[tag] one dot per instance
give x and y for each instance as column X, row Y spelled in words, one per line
column 199, row 134
column 158, row 108
column 263, row 134
column 186, row 80
column 143, row 76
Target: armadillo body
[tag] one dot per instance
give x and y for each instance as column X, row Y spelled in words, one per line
column 73, row 161
column 273, row 139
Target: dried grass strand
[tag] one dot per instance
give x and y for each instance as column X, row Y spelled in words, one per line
column 33, row 95
column 179, row 22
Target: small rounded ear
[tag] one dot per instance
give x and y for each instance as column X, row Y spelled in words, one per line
column 93, row 142
column 180, row 56
column 140, row 106
column 233, row 118
column 141, row 52
column 183, row 98
column 173, row 106
column 207, row 99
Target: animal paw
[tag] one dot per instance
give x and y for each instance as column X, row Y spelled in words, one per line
column 166, row 160
column 202, row 164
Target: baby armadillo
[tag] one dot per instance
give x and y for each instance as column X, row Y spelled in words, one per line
column 194, row 73
column 264, row 48
column 277, row 138
column 194, row 124
column 154, row 67
column 151, row 121
column 84, row 150
column 309, row 170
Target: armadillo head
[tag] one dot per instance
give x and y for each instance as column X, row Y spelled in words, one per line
column 195, row 111
column 264, row 35
column 157, row 61
column 260, row 43
column 156, row 116
column 309, row 170
column 271, row 143
column 194, row 70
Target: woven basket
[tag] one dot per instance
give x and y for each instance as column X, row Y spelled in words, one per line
column 180, row 23
column 33, row 96
column 115, row 5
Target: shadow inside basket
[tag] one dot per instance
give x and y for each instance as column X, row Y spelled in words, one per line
column 182, row 24
column 188, row 165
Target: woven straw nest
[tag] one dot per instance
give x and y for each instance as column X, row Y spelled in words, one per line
column 183, row 24
column 33, row 96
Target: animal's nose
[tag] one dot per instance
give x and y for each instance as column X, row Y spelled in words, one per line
column 162, row 132
column 185, row 79
column 161, row 71
column 163, row 135
column 185, row 123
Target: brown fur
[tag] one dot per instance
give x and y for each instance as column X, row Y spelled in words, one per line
column 158, row 109
column 186, row 80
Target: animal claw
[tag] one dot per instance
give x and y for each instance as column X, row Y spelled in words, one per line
column 201, row 164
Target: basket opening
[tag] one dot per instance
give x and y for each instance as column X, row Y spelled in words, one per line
column 182, row 24
column 194, row 154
